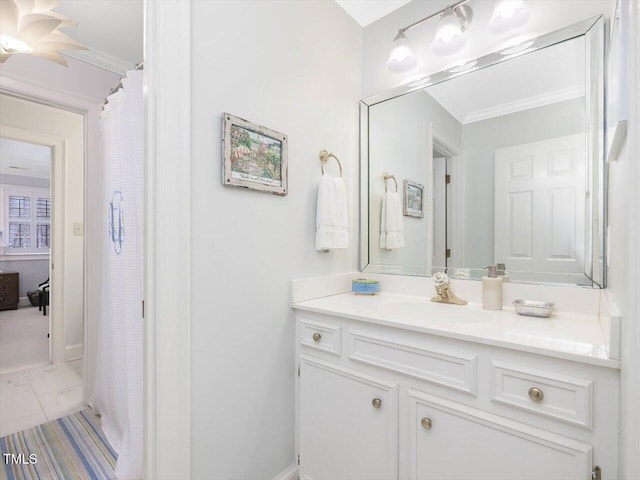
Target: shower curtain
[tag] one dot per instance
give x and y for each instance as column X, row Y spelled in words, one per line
column 118, row 385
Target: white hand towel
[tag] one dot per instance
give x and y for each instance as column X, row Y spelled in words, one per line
column 391, row 222
column 331, row 214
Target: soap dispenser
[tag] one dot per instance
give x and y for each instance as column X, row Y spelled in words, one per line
column 502, row 272
column 492, row 289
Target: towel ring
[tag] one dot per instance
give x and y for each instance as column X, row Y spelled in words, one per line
column 386, row 184
column 324, row 156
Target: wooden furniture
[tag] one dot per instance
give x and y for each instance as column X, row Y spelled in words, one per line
column 383, row 402
column 9, row 291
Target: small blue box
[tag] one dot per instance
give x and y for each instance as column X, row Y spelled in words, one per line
column 362, row 286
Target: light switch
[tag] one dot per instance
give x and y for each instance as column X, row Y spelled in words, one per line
column 78, row 229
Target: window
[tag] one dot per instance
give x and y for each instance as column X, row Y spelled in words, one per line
column 25, row 219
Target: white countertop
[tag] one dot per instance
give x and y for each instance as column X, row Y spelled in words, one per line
column 570, row 336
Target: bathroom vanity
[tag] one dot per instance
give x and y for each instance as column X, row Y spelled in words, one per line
column 394, row 386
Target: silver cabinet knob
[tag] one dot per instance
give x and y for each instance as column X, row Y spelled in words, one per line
column 426, row 423
column 376, row 402
column 536, row 394
column 316, row 337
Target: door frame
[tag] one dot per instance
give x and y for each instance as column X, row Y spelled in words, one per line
column 167, row 293
column 455, row 190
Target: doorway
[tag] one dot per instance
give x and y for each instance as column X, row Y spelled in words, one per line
column 25, row 240
column 42, row 245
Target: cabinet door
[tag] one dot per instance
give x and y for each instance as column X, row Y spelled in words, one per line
column 348, row 424
column 453, row 441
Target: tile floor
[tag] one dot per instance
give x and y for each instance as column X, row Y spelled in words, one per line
column 23, row 339
column 38, row 395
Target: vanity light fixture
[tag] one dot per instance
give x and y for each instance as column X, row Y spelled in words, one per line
column 507, row 15
column 402, row 59
column 33, row 28
column 449, row 37
column 455, row 19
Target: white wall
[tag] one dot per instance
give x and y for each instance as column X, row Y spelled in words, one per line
column 546, row 16
column 33, row 117
column 293, row 67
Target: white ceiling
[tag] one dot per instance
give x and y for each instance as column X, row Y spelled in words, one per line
column 24, row 159
column 366, row 12
column 113, row 30
column 538, row 78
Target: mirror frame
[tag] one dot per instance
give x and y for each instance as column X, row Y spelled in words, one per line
column 593, row 31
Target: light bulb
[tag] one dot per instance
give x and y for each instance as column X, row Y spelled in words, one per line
column 402, row 59
column 12, row 45
column 507, row 15
column 449, row 38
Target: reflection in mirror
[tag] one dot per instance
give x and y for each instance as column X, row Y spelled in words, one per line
column 510, row 156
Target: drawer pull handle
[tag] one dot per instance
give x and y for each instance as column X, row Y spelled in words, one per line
column 426, row 423
column 316, row 337
column 536, row 394
column 376, row 402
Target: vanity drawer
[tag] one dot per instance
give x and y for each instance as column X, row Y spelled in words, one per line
column 452, row 369
column 321, row 336
column 568, row 399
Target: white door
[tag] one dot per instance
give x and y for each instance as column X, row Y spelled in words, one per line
column 348, row 425
column 439, row 212
column 540, row 206
column 452, row 441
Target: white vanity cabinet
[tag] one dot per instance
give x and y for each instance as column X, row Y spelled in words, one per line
column 389, row 402
column 451, row 441
column 349, row 423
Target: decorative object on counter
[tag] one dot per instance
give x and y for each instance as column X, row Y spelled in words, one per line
column 502, row 272
column 492, row 289
column 255, row 157
column 391, row 223
column 413, row 199
column 362, row 286
column 533, row 308
column 443, row 289
column 332, row 224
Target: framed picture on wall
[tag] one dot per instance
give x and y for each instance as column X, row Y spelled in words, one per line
column 254, row 157
column 413, row 199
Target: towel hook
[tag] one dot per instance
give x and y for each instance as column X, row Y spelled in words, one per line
column 324, row 156
column 387, row 176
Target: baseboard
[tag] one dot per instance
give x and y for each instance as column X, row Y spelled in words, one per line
column 290, row 473
column 24, row 302
column 73, row 352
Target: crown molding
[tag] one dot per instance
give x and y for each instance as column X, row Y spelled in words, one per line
column 101, row 60
column 23, row 86
column 523, row 104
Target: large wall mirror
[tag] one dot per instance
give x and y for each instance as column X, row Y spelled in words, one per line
column 509, row 150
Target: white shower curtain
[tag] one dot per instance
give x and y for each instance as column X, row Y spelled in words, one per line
column 118, row 386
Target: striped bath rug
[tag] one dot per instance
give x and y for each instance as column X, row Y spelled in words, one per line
column 70, row 448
